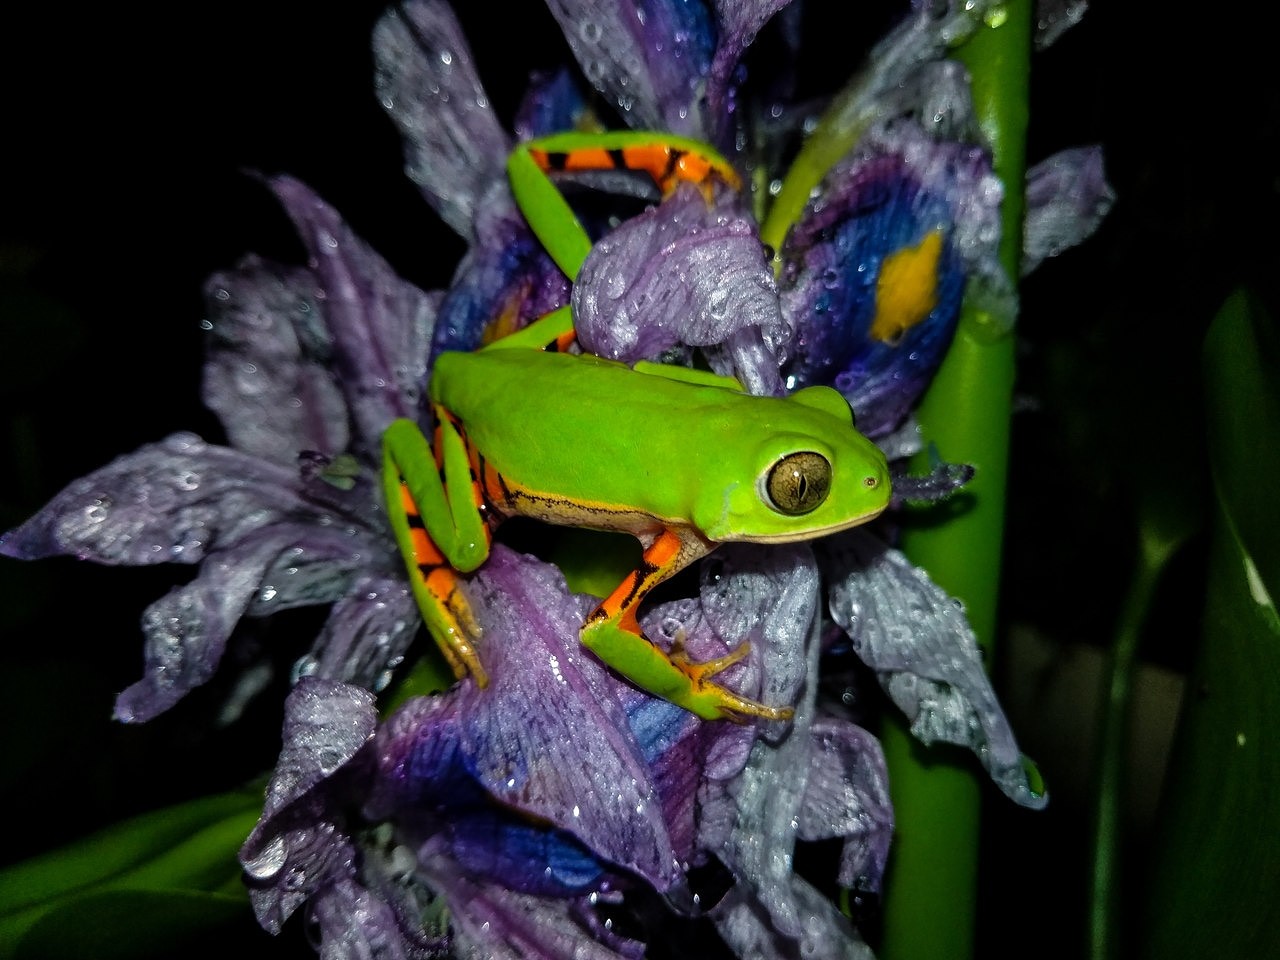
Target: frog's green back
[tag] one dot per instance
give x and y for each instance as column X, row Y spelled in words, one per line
column 596, row 433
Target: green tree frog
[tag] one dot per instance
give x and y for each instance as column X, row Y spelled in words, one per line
column 682, row 459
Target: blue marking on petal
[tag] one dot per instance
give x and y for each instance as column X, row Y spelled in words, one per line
column 690, row 29
column 655, row 725
column 498, row 290
column 551, row 104
column 523, row 856
column 872, row 343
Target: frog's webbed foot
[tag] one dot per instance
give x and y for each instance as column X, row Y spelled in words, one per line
column 730, row 705
column 456, row 633
column 674, row 676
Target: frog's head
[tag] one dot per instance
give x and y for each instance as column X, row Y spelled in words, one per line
column 804, row 474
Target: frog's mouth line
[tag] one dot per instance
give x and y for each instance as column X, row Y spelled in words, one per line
column 811, row 533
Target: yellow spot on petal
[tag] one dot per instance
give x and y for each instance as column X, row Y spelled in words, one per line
column 907, row 288
column 506, row 322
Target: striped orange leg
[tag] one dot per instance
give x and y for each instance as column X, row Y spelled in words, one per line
column 666, row 158
column 614, row 635
column 432, row 500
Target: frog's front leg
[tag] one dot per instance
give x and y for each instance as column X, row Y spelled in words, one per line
column 613, row 633
column 433, row 504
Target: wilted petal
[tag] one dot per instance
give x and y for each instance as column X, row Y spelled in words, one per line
column 768, row 597
column 847, row 795
column 548, row 736
column 454, row 146
column 826, row 932
column 917, row 640
column 1055, row 17
column 266, row 372
column 1067, row 197
column 943, row 480
column 367, row 633
column 506, row 280
column 356, row 925
column 551, row 104
column 649, row 62
column 738, row 23
column 765, row 597
column 750, row 823
column 491, row 923
column 380, row 324
column 187, row 629
column 877, row 268
column 167, row 502
column 299, row 845
column 681, row 272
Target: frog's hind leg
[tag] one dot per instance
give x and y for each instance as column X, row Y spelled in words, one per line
column 613, row 633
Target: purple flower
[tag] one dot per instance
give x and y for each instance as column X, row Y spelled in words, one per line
column 559, row 811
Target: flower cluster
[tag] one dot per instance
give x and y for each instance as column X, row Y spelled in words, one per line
column 559, row 811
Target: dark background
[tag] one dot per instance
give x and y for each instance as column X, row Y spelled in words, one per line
column 127, row 136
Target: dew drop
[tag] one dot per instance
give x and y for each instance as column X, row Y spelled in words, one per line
column 269, row 862
column 330, row 759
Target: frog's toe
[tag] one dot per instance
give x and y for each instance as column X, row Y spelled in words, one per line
column 699, row 671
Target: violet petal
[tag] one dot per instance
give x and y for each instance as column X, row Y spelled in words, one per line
column 877, row 267
column 367, row 633
column 738, row 23
column 1067, row 197
column 904, row 627
column 648, row 62
column 266, row 372
column 548, row 735
column 497, row 924
column 552, row 103
column 356, row 925
column 380, row 324
column 846, row 795
column 298, row 845
column 187, row 629
column 167, row 502
column 454, row 146
column 682, row 272
column 506, row 280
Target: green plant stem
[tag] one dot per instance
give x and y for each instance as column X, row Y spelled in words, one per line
column 1104, row 879
column 931, row 886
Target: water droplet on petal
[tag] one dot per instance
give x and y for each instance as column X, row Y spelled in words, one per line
column 268, row 863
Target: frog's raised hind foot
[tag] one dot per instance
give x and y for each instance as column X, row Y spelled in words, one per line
column 712, row 696
column 674, row 677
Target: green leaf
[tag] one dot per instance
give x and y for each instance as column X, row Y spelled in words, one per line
column 1217, row 867
column 187, row 850
column 123, row 847
column 140, row 925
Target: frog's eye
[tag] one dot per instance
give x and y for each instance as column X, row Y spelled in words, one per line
column 798, row 482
